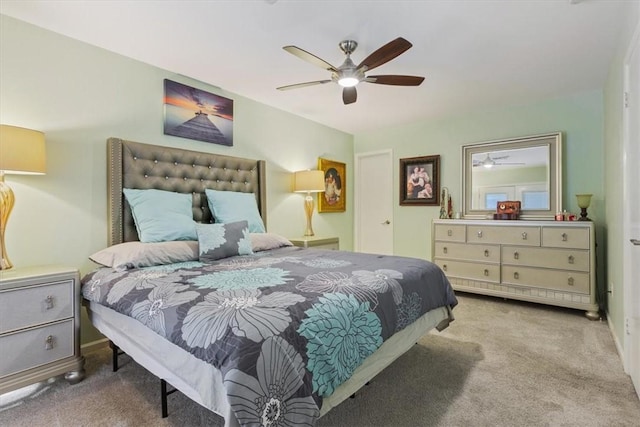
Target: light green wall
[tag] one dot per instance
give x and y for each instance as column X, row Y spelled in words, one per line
column 578, row 117
column 80, row 95
column 613, row 159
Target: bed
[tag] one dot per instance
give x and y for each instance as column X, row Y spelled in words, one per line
column 267, row 333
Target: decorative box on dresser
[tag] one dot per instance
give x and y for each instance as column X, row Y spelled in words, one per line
column 549, row 262
column 317, row 242
column 39, row 326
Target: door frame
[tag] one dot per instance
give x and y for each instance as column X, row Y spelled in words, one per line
column 357, row 184
column 632, row 296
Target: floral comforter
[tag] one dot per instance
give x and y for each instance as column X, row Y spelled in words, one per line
column 285, row 327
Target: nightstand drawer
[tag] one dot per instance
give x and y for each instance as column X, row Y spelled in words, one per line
column 35, row 347
column 35, row 305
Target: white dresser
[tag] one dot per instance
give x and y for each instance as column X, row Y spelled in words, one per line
column 546, row 262
column 39, row 326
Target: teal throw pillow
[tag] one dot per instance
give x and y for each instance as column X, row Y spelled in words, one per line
column 217, row 241
column 231, row 206
column 161, row 216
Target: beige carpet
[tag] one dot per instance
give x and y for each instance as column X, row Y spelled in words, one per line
column 501, row 363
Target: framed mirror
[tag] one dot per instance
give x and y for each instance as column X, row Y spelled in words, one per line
column 528, row 169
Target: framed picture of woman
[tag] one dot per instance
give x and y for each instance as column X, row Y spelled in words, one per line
column 334, row 198
column 420, row 181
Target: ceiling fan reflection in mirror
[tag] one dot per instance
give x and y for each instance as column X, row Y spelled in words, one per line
column 348, row 75
column 489, row 162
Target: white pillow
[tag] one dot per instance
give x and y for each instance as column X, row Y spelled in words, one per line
column 266, row 241
column 137, row 254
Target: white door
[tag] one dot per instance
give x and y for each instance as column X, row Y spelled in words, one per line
column 373, row 202
column 632, row 212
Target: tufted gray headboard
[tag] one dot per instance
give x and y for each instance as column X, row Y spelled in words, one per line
column 143, row 166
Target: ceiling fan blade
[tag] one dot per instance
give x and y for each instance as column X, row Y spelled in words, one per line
column 395, row 80
column 349, row 95
column 385, row 54
column 310, row 57
column 299, row 85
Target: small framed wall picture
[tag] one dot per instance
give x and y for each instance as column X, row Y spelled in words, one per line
column 420, row 181
column 334, row 198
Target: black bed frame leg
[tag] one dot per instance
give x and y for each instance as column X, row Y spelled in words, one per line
column 115, row 352
column 163, row 397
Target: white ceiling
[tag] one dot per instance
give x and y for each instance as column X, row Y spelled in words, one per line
column 475, row 54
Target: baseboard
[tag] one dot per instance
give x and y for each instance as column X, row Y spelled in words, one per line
column 619, row 347
column 94, row 345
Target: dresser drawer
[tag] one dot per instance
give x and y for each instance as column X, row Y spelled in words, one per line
column 450, row 232
column 34, row 305
column 470, row 270
column 563, row 259
column 35, row 347
column 529, row 236
column 565, row 237
column 569, row 281
column 462, row 251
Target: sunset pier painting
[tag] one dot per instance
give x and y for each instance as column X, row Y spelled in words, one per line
column 195, row 114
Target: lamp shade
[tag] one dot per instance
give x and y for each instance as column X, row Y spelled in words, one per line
column 22, row 151
column 309, row 181
column 584, row 200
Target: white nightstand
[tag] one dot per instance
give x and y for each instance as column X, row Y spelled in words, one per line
column 332, row 243
column 39, row 326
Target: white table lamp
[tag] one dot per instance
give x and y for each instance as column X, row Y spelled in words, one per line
column 309, row 181
column 22, row 151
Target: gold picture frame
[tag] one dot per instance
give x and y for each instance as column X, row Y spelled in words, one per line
column 334, row 198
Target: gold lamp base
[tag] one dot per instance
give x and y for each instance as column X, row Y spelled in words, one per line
column 308, row 210
column 7, row 199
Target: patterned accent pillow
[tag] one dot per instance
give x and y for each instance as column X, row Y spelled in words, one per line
column 217, row 241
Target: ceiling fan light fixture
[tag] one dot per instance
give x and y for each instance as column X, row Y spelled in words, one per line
column 348, row 81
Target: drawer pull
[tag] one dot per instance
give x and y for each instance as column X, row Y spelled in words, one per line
column 570, row 281
column 564, row 237
column 48, row 343
column 48, row 302
column 486, row 252
column 524, row 235
column 444, row 250
column 516, row 255
column 571, row 259
column 449, row 233
column 516, row 275
column 486, row 272
column 480, row 234
column 444, row 267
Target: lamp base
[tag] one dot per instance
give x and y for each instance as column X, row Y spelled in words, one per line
column 583, row 215
column 7, row 200
column 308, row 210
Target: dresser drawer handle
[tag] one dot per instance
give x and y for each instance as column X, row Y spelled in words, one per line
column 480, row 234
column 516, row 255
column 486, row 252
column 449, row 233
column 524, row 235
column 48, row 302
column 571, row 259
column 516, row 275
column 486, row 272
column 570, row 281
column 444, row 250
column 564, row 237
column 48, row 343
column 444, row 267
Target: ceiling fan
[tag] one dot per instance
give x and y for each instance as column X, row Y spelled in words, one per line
column 489, row 162
column 348, row 75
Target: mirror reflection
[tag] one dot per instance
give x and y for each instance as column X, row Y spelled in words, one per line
column 516, row 174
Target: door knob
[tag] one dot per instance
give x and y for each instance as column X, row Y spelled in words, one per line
column 386, row 222
column 635, row 242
